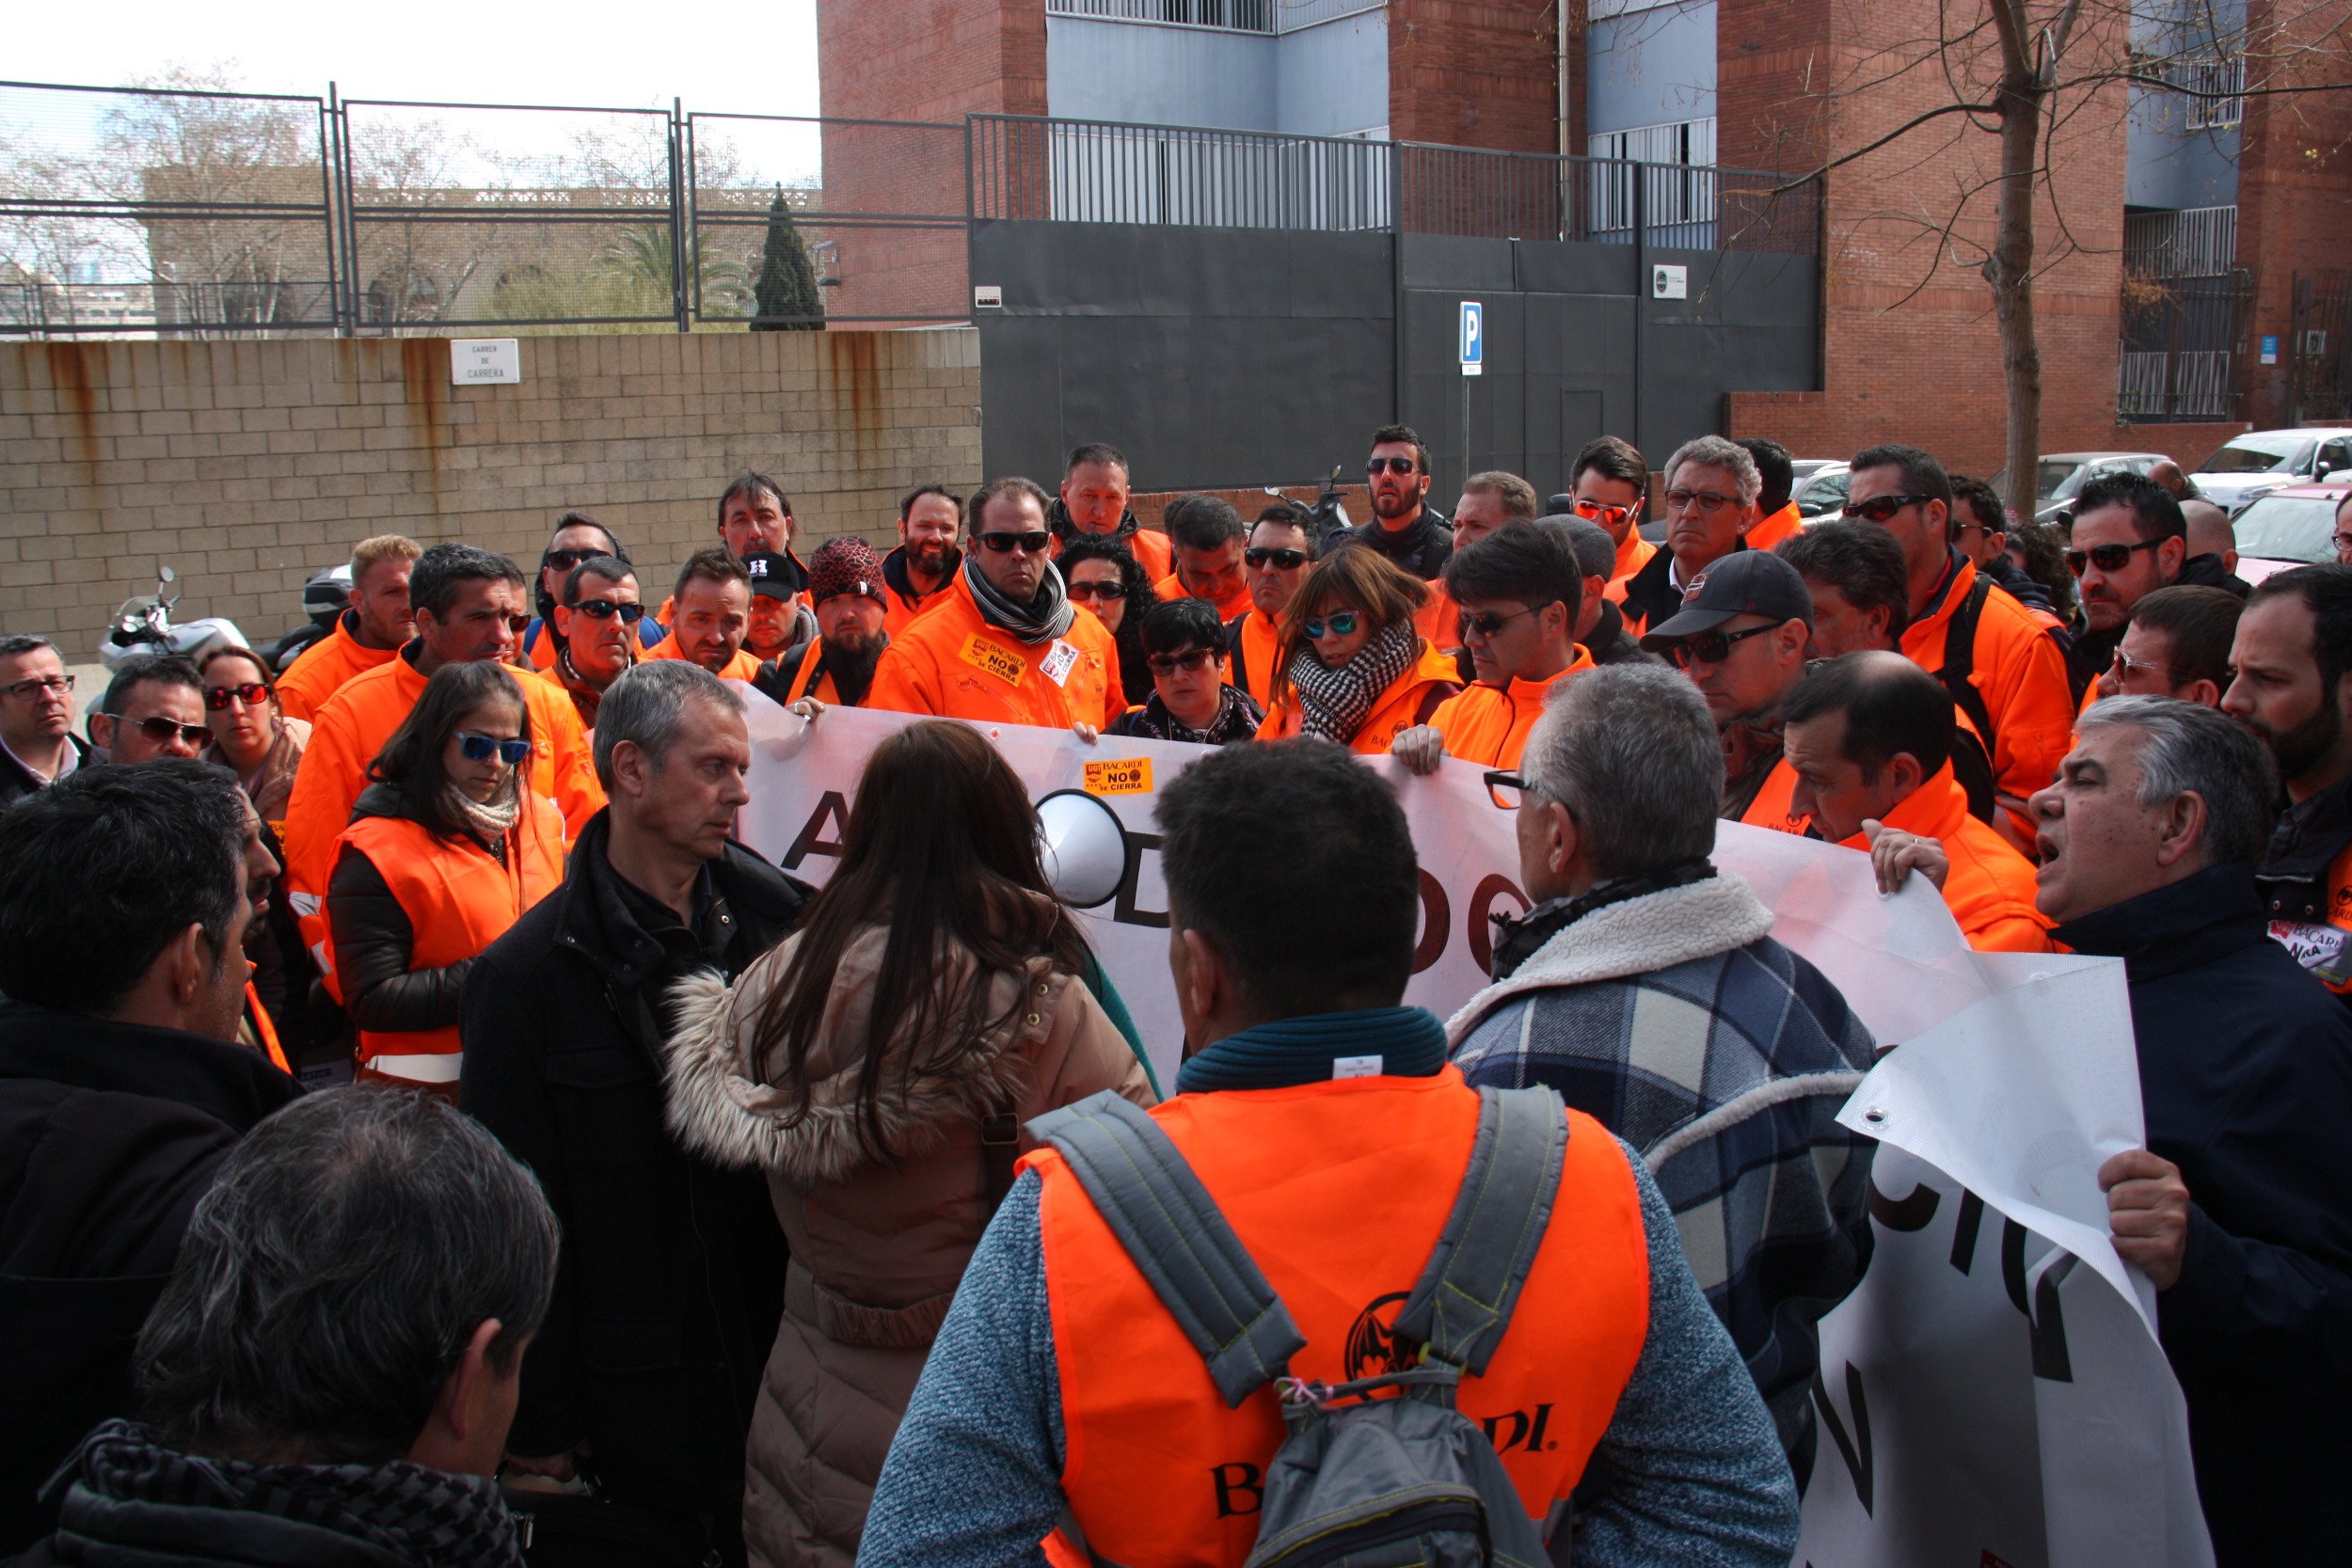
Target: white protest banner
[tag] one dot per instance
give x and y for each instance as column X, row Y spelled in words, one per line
column 1986, row 1401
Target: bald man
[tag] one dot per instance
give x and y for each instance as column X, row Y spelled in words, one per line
column 2210, row 535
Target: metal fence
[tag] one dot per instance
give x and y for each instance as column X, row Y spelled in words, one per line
column 2184, row 351
column 208, row 213
column 2319, row 348
column 1242, row 16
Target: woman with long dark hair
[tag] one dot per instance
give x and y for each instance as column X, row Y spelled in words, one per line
column 446, row 850
column 1103, row 575
column 877, row 1065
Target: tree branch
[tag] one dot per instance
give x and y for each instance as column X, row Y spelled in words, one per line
column 1895, row 135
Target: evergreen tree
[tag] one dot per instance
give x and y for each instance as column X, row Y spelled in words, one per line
column 786, row 287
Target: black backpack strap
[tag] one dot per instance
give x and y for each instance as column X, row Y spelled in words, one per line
column 1463, row 1302
column 1234, row 646
column 1972, row 770
column 1153, row 1203
column 1959, row 659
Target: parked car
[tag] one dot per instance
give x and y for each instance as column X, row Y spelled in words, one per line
column 1821, row 492
column 2059, row 477
column 2255, row 464
column 2291, row 526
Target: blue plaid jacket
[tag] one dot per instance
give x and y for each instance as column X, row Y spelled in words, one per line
column 1674, row 1020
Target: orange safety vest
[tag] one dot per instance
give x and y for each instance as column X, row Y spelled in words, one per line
column 1394, row 711
column 265, row 1030
column 1440, row 619
column 322, row 669
column 1770, row 808
column 2017, row 670
column 951, row 663
column 1261, row 641
column 824, row 690
column 1633, row 553
column 1489, row 725
column 1990, row 887
column 1158, row 1471
column 1769, row 532
column 1236, row 603
column 459, row 898
column 899, row 610
column 742, row 667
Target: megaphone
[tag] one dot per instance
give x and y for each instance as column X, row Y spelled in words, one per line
column 1083, row 847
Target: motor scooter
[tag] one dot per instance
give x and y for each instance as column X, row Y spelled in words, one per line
column 144, row 626
column 1328, row 517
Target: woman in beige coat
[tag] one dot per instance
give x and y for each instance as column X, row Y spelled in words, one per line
column 933, row 992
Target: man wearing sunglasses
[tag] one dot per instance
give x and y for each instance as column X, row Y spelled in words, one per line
column 711, row 615
column 1004, row 645
column 1711, row 487
column 469, row 605
column 597, row 629
column 377, row 625
column 2129, row 540
column 1521, row 591
column 578, row 537
column 1412, row 535
column 1283, row 546
column 153, row 708
column 1741, row 637
column 2001, row 666
column 2177, row 645
column 1609, row 485
column 37, row 746
column 1093, row 500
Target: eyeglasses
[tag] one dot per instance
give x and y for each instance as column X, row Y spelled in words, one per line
column 1340, row 623
column 251, row 693
column 1106, row 590
column 481, row 748
column 25, row 691
column 1510, row 790
column 1880, row 509
column 1487, row 623
column 2126, row 664
column 1705, row 502
column 162, row 731
column 1962, row 528
column 1034, row 542
column 1389, row 465
column 1596, row 513
column 1713, row 647
column 2108, row 558
column 2343, row 542
column 563, row 561
column 1191, row 659
column 604, row 610
column 1281, row 561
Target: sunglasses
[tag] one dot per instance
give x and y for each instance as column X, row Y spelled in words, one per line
column 1340, row 623
column 1191, row 659
column 1510, row 790
column 1487, row 623
column 1282, row 561
column 2108, row 558
column 1880, row 509
column 1034, row 542
column 604, row 610
column 566, row 560
column 164, row 731
column 1389, row 465
column 1713, row 647
column 25, row 691
column 481, row 748
column 251, row 693
column 1596, row 513
column 1089, row 590
column 2125, row 664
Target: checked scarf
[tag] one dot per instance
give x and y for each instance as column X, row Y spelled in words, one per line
column 1334, row 703
column 1046, row 616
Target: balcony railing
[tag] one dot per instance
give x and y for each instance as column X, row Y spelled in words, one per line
column 2196, row 242
column 1240, row 16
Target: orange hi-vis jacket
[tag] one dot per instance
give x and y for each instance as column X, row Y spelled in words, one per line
column 540, row 643
column 1990, row 887
column 1260, row 639
column 742, row 667
column 2017, row 670
column 1771, row 807
column 1489, row 725
column 1409, row 700
column 1158, row 1471
column 264, row 1030
column 352, row 729
column 458, row 896
column 1440, row 619
column 1173, row 587
column 822, row 686
column 319, row 669
column 952, row 663
column 1633, row 553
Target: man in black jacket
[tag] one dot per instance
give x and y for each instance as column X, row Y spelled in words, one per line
column 672, row 1277
column 124, row 899
column 2235, row 1208
column 1404, row 528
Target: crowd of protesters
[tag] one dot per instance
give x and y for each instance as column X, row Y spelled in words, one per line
column 684, row 1213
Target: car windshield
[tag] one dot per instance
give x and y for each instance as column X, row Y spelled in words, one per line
column 2050, row 476
column 2288, row 528
column 2254, row 455
column 1825, row 493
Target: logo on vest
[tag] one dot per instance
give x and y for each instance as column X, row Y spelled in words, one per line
column 1373, row 1349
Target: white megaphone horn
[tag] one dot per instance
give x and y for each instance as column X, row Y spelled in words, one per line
column 1082, row 847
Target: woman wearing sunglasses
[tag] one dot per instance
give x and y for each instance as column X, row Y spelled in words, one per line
column 1355, row 670
column 446, row 850
column 1100, row 573
column 252, row 736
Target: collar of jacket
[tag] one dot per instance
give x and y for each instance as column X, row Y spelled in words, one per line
column 1518, row 940
column 896, row 577
column 594, row 921
column 1405, row 546
column 2202, row 571
column 1058, row 523
column 2309, row 835
column 1711, row 912
column 1290, row 1052
column 224, row 1080
column 2184, row 925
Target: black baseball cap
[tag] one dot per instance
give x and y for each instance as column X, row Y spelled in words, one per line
column 779, row 577
column 1746, row 583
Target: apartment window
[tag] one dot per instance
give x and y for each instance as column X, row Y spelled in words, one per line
column 1682, row 193
column 2214, row 91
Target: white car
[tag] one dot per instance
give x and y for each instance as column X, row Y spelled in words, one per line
column 2253, row 465
column 2059, row 477
column 2291, row 526
column 1821, row 492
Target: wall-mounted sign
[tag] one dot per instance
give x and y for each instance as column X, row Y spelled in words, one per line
column 988, row 296
column 477, row 361
column 1666, row 282
column 2270, row 348
column 1473, row 337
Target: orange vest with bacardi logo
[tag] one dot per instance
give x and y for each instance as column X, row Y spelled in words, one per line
column 1339, row 1190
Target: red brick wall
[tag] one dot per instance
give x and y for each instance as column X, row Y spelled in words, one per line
column 1470, row 75
column 1802, row 422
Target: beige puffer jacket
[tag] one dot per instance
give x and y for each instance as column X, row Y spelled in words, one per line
column 876, row 1248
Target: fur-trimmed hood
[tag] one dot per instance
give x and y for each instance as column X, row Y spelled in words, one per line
column 1655, row 931
column 717, row 1105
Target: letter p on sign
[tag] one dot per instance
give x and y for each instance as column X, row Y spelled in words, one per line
column 1473, row 337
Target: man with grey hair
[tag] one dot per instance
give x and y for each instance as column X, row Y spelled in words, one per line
column 1600, row 625
column 1711, row 487
column 1489, row 500
column 2235, row 1208
column 328, row 1375
column 1646, row 988
column 673, row 1270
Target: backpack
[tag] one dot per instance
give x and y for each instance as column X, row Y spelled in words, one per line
column 1405, row 1478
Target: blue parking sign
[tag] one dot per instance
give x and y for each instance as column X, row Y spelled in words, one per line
column 1473, row 337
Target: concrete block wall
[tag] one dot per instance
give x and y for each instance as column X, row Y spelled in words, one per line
column 248, row 466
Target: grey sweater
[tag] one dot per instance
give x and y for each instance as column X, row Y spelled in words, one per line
column 1689, row 1472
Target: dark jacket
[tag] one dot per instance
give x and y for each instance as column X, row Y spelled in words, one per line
column 1651, row 597
column 2246, row 1077
column 1608, row 643
column 672, row 1273
column 109, row 1132
column 18, row 781
column 1422, row 548
column 2207, row 571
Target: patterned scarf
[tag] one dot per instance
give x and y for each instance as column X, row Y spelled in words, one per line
column 420, row 1515
column 1237, row 718
column 1043, row 618
column 1334, row 703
